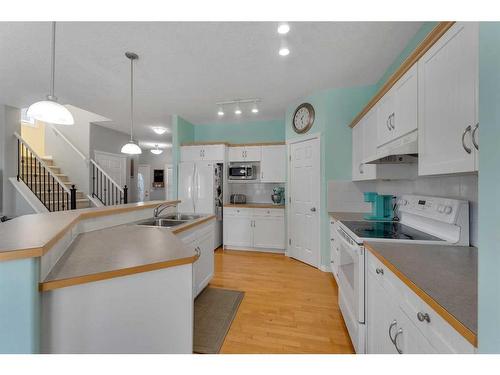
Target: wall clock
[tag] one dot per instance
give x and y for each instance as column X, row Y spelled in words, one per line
column 303, row 118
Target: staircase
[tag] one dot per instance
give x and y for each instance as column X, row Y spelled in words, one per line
column 45, row 180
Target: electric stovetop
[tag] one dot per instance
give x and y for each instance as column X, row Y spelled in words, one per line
column 391, row 230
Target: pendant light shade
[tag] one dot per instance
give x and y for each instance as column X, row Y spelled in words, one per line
column 156, row 150
column 50, row 110
column 131, row 148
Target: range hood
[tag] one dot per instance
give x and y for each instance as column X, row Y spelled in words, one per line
column 403, row 150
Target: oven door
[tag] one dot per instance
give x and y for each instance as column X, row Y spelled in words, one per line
column 351, row 274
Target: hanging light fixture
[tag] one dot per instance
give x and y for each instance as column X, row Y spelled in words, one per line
column 50, row 110
column 131, row 148
column 156, row 150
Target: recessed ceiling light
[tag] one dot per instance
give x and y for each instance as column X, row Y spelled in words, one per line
column 284, row 28
column 159, row 130
column 284, row 51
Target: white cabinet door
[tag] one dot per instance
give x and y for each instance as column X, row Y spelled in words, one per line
column 213, row 152
column 409, row 340
column 236, row 154
column 190, row 153
column 238, row 231
column 382, row 314
column 253, row 153
column 273, row 164
column 204, row 266
column 386, row 112
column 404, row 120
column 357, row 149
column 361, row 145
column 448, row 102
column 269, row 232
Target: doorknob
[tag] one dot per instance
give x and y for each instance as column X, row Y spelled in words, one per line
column 313, row 209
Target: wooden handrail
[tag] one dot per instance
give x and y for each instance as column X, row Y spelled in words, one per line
column 40, row 160
column 60, row 134
column 421, row 49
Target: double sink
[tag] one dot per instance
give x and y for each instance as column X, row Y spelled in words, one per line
column 170, row 220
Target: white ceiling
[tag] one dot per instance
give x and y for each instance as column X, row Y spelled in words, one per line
column 184, row 68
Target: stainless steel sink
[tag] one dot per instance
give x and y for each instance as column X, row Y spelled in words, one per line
column 179, row 216
column 163, row 222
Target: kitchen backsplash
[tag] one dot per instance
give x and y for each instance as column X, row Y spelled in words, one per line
column 255, row 192
column 348, row 196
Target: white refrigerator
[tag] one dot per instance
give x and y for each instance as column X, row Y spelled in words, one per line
column 200, row 191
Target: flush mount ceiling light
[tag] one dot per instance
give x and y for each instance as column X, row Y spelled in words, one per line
column 50, row 110
column 159, row 130
column 156, row 150
column 283, row 28
column 131, row 148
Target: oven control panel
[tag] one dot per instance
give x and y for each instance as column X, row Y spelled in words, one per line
column 441, row 209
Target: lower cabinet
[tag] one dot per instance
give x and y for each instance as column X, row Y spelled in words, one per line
column 334, row 250
column 398, row 321
column 254, row 228
column 201, row 239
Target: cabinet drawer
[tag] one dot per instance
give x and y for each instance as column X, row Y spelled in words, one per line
column 383, row 275
column 235, row 211
column 275, row 212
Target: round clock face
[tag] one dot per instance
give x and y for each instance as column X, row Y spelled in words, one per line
column 303, row 118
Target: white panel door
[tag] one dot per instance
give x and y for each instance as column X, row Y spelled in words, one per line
column 185, row 190
column 305, row 181
column 253, row 153
column 269, row 232
column 448, row 102
column 236, row 154
column 404, row 120
column 273, row 164
column 144, row 182
column 114, row 165
column 204, row 202
column 238, row 231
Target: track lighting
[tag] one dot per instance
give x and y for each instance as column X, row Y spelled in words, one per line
column 220, row 112
column 237, row 110
column 254, row 108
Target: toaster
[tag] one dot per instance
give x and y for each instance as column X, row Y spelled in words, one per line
column 238, row 199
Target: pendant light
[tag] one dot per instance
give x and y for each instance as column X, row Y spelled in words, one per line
column 131, row 148
column 50, row 110
column 156, row 150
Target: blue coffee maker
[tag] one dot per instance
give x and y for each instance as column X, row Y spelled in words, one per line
column 381, row 207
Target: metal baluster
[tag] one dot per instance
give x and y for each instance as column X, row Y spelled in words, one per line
column 93, row 180
column 18, row 161
column 31, row 171
column 58, row 198
column 53, row 195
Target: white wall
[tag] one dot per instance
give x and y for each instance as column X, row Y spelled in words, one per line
column 348, row 196
column 65, row 157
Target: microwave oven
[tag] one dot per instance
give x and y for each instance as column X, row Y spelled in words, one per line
column 242, row 171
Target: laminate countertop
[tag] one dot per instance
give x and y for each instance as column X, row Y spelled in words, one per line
column 33, row 235
column 444, row 276
column 348, row 216
column 254, row 205
column 118, row 251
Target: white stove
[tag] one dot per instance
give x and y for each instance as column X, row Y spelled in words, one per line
column 423, row 220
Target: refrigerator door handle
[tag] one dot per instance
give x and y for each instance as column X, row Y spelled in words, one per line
column 195, row 186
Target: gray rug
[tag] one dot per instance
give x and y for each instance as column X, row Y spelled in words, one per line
column 214, row 311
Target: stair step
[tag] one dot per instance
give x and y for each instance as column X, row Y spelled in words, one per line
column 55, row 169
column 36, row 176
column 48, row 162
column 79, row 194
column 80, row 203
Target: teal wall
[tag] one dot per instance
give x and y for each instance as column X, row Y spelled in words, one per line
column 489, row 186
column 182, row 132
column 334, row 110
column 19, row 306
column 241, row 132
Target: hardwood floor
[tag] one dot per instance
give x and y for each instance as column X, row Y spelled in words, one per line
column 289, row 307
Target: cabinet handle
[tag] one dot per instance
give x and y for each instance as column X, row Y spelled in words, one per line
column 467, row 130
column 393, row 324
column 391, row 120
column 262, row 175
column 379, row 271
column 400, row 332
column 474, row 141
column 423, row 317
column 198, row 251
column 387, row 123
column 361, row 171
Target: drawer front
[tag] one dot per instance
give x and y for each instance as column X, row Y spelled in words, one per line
column 274, row 212
column 383, row 275
column 235, row 211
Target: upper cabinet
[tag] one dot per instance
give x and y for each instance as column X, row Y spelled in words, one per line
column 364, row 142
column 203, row 152
column 448, row 103
column 273, row 164
column 244, row 153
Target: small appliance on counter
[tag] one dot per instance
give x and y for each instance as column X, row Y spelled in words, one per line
column 381, row 207
column 278, row 195
column 238, row 199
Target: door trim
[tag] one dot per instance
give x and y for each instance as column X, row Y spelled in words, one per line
column 289, row 143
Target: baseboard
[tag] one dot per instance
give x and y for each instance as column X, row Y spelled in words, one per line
column 257, row 250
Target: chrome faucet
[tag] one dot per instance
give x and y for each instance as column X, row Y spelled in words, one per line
column 159, row 209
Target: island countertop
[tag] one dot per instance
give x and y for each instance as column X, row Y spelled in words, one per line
column 445, row 277
column 118, row 251
column 33, row 235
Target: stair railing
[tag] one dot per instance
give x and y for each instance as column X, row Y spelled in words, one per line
column 41, row 180
column 105, row 188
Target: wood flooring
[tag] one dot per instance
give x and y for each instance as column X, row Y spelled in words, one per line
column 289, row 307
